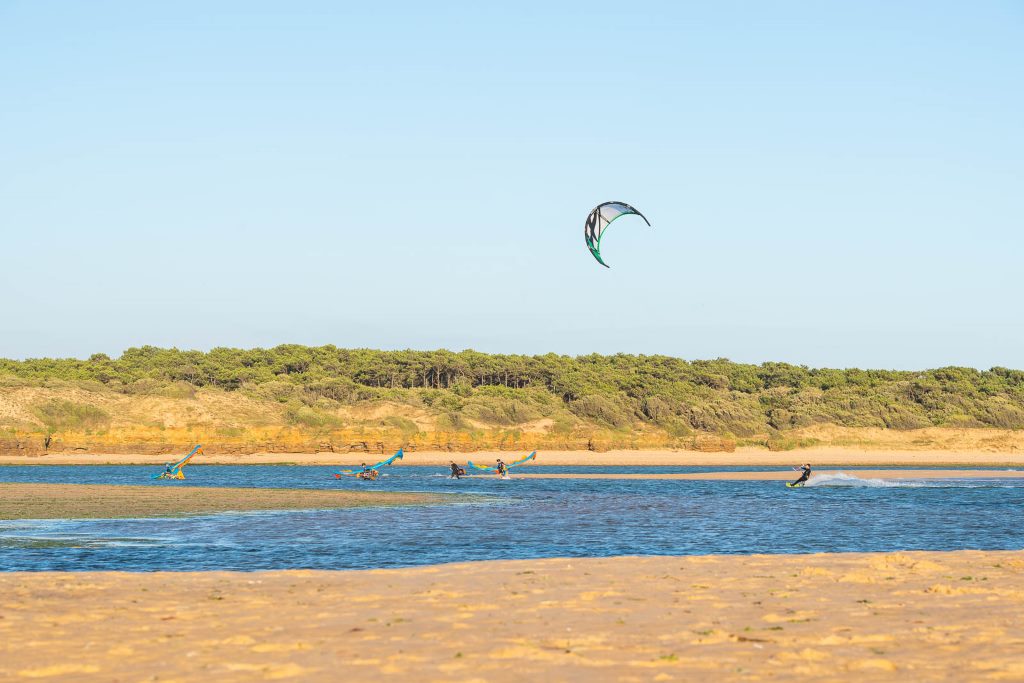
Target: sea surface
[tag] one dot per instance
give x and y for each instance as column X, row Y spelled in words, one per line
column 515, row 519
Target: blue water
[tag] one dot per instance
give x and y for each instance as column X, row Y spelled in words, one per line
column 518, row 518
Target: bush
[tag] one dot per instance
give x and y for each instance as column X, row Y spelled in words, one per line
column 309, row 418
column 67, row 416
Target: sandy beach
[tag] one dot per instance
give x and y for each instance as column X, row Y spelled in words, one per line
column 91, row 501
column 741, row 457
column 866, row 617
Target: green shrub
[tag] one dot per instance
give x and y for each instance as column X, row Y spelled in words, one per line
column 67, row 416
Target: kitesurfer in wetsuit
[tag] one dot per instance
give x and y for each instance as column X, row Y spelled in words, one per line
column 502, row 468
column 167, row 469
column 457, row 471
column 804, row 476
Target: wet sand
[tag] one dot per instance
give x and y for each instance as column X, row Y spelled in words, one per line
column 740, row 458
column 846, row 617
column 173, row 499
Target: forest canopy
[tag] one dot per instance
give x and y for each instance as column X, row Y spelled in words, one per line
column 613, row 391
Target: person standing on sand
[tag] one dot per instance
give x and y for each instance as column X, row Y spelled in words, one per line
column 803, row 477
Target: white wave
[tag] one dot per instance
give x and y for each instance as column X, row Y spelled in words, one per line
column 843, row 479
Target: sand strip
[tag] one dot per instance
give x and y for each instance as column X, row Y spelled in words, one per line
column 864, row 617
column 783, row 475
column 740, row 458
column 89, row 501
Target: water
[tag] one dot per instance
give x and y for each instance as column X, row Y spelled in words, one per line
column 519, row 518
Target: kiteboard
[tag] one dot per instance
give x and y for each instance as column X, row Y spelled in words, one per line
column 510, row 465
column 176, row 469
column 791, row 485
column 370, row 473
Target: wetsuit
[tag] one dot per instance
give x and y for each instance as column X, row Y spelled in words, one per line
column 456, row 471
column 502, row 469
column 803, row 477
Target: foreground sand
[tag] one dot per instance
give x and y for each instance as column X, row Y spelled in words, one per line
column 851, row 617
column 741, row 457
column 90, row 501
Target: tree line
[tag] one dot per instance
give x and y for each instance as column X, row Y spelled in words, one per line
column 617, row 390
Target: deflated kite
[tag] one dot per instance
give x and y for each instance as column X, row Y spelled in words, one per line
column 598, row 221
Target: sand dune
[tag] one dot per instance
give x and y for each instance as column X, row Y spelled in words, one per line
column 865, row 617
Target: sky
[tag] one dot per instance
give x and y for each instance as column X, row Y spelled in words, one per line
column 830, row 184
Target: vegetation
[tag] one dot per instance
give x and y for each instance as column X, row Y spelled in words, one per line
column 467, row 391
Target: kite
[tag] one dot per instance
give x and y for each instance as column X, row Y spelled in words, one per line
column 370, row 473
column 175, row 471
column 508, row 466
column 598, row 221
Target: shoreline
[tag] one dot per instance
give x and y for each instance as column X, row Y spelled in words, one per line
column 784, row 475
column 831, row 456
column 922, row 616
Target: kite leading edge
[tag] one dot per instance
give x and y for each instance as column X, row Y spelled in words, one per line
column 598, row 221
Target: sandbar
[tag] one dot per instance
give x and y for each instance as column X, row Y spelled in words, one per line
column 778, row 475
column 99, row 501
column 923, row 616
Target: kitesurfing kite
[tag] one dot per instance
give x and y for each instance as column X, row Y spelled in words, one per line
column 508, row 466
column 598, row 221
column 175, row 471
column 370, row 473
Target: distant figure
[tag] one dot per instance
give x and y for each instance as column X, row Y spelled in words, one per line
column 804, row 476
column 167, row 468
column 457, row 472
column 502, row 468
column 367, row 473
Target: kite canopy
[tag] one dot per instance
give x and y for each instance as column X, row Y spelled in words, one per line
column 520, row 461
column 359, row 473
column 598, row 221
column 175, row 470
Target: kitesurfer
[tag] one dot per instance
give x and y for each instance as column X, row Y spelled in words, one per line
column 457, row 472
column 806, row 474
column 167, row 469
column 502, row 468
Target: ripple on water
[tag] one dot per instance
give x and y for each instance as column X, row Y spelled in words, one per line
column 520, row 518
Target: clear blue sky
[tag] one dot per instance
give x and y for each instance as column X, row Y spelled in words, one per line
column 835, row 184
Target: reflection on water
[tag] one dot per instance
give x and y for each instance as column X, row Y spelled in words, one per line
column 521, row 518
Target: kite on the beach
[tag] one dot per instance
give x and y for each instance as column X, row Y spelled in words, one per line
column 175, row 471
column 370, row 473
column 502, row 471
column 598, row 221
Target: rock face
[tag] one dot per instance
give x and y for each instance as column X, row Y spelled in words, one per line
column 25, row 446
